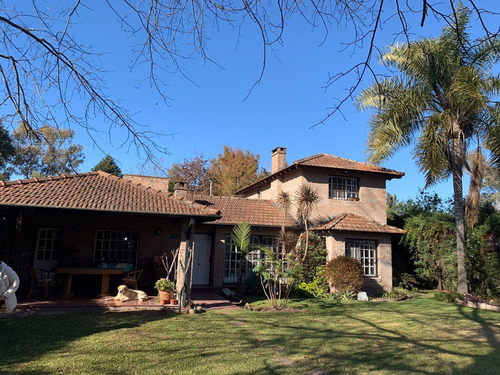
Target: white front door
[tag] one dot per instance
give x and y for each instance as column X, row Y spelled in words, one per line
column 201, row 261
column 48, row 243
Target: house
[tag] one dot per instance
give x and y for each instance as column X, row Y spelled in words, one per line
column 351, row 215
column 216, row 260
column 93, row 220
column 99, row 220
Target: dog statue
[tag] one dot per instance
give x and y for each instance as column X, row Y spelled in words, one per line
column 126, row 294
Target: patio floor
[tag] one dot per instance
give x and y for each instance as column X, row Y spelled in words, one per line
column 37, row 304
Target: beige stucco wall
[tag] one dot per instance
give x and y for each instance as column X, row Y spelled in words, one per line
column 335, row 244
column 372, row 194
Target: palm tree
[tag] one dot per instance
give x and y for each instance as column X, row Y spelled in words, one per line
column 284, row 201
column 242, row 237
column 440, row 99
column 306, row 197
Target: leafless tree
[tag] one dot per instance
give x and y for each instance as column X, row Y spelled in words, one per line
column 45, row 70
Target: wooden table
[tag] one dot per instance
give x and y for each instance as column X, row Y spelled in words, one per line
column 70, row 271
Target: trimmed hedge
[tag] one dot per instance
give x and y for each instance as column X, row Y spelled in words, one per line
column 344, row 274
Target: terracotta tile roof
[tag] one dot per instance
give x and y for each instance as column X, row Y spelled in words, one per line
column 257, row 212
column 355, row 223
column 331, row 162
column 98, row 191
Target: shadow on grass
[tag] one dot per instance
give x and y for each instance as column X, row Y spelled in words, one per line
column 34, row 336
column 489, row 332
column 354, row 344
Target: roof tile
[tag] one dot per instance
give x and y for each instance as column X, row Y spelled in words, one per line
column 96, row 191
column 234, row 210
column 355, row 223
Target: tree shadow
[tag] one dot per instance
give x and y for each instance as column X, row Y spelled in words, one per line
column 376, row 347
column 490, row 333
column 26, row 339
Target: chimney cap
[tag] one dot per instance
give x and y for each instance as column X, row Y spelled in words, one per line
column 277, row 149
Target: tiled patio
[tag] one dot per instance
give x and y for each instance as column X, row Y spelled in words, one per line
column 55, row 304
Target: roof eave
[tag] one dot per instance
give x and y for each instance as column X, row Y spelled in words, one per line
column 132, row 212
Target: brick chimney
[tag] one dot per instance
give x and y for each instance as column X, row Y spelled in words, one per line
column 278, row 159
column 180, row 189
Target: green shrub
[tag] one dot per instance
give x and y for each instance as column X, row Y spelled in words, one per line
column 318, row 288
column 408, row 281
column 346, row 295
column 313, row 290
column 397, row 292
column 309, row 269
column 345, row 274
column 447, row 296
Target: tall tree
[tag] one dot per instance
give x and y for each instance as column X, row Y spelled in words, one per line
column 194, row 171
column 233, row 170
column 441, row 98
column 430, row 238
column 108, row 165
column 37, row 38
column 7, row 151
column 47, row 151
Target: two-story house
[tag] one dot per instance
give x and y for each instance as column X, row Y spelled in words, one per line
column 94, row 218
column 351, row 214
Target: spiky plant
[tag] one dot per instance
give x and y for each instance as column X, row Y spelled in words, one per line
column 305, row 197
column 242, row 237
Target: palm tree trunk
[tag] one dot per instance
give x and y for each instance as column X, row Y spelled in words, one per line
column 457, row 157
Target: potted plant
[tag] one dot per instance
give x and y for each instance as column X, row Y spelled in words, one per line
column 165, row 289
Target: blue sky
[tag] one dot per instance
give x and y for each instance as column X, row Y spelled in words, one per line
column 280, row 111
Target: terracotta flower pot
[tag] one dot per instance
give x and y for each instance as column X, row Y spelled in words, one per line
column 165, row 297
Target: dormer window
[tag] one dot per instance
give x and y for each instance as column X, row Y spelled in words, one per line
column 341, row 187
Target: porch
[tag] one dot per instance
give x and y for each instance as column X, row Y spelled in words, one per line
column 38, row 304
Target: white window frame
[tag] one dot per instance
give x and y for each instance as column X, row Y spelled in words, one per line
column 48, row 244
column 365, row 251
column 112, row 245
column 232, row 257
column 341, row 187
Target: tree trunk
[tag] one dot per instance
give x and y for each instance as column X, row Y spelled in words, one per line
column 440, row 281
column 457, row 159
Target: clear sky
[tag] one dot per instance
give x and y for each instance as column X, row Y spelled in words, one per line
column 280, row 111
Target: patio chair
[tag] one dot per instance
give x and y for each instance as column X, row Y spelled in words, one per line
column 40, row 279
column 132, row 278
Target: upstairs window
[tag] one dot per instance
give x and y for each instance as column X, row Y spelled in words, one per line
column 343, row 188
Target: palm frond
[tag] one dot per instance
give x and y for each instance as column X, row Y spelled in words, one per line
column 241, row 236
column 430, row 151
column 493, row 143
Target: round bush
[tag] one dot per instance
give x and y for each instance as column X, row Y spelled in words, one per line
column 344, row 274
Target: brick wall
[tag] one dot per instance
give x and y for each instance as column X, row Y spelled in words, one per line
column 335, row 243
column 372, row 194
column 78, row 237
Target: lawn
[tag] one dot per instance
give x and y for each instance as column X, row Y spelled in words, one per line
column 418, row 336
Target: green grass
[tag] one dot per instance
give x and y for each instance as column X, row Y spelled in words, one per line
column 418, row 336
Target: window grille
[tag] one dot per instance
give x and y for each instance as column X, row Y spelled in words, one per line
column 345, row 188
column 365, row 251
